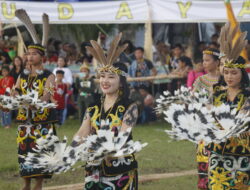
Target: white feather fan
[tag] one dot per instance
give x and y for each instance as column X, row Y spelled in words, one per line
column 54, row 156
column 194, row 119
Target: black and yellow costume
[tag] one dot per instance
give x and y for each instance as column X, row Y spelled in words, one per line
column 229, row 162
column 112, row 173
column 32, row 122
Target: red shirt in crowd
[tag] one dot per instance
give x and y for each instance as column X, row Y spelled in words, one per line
column 6, row 82
column 59, row 95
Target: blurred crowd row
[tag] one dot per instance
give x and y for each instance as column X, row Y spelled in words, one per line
column 75, row 71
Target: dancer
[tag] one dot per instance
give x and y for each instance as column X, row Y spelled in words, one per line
column 223, row 123
column 229, row 162
column 211, row 64
column 116, row 112
column 31, row 120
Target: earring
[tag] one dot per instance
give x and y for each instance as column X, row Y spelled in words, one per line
column 120, row 92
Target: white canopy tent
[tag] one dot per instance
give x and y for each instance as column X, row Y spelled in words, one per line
column 131, row 11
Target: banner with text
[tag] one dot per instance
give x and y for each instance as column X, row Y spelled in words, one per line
column 133, row 11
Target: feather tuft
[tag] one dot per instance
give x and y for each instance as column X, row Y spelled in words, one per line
column 22, row 15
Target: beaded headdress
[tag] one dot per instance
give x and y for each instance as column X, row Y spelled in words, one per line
column 209, row 52
column 105, row 62
column 231, row 45
column 22, row 15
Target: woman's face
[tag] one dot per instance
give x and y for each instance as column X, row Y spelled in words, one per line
column 17, row 62
column 60, row 62
column 109, row 82
column 232, row 77
column 210, row 65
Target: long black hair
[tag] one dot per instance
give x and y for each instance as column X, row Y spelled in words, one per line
column 22, row 64
column 245, row 78
column 124, row 87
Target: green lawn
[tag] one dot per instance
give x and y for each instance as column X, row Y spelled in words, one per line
column 160, row 156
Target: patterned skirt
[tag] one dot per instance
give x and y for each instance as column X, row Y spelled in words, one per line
column 116, row 173
column 229, row 172
column 202, row 160
column 26, row 140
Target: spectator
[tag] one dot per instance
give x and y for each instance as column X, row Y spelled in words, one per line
column 52, row 54
column 141, row 67
column 4, row 56
column 177, row 51
column 18, row 67
column 163, row 55
column 65, row 50
column 60, row 48
column 148, row 114
column 214, row 45
column 62, row 65
column 72, row 55
column 68, row 80
column 128, row 56
column 195, row 73
column 59, row 96
column 214, row 38
column 86, row 88
column 6, row 84
column 162, row 65
column 85, row 55
column 4, row 59
column 184, row 66
column 201, row 47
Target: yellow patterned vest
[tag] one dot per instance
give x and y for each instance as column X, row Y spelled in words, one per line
column 112, row 119
column 36, row 83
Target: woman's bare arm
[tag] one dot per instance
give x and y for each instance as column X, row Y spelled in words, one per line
column 130, row 117
column 84, row 130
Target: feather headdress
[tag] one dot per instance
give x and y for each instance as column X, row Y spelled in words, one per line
column 22, row 15
column 106, row 62
column 231, row 45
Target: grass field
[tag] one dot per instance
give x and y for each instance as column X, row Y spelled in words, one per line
column 160, row 156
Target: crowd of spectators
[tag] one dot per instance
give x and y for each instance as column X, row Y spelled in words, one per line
column 75, row 71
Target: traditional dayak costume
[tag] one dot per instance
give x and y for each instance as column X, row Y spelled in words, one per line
column 113, row 172
column 229, row 162
column 204, row 82
column 107, row 147
column 222, row 124
column 33, row 123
